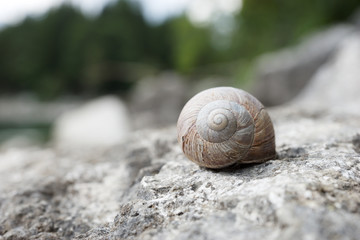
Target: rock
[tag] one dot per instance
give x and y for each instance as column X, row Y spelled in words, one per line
column 281, row 75
column 336, row 85
column 145, row 188
column 147, row 105
column 101, row 122
column 356, row 18
column 139, row 190
column 356, row 143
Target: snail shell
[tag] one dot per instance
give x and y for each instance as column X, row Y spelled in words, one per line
column 223, row 126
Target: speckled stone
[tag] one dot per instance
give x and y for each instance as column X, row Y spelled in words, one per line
column 147, row 189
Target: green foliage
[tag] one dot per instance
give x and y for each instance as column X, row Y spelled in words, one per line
column 65, row 52
column 191, row 45
column 68, row 53
column 43, row 55
column 270, row 24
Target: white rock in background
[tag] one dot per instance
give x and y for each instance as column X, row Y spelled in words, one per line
column 102, row 122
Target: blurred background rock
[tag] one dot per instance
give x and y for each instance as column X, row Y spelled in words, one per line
column 58, row 61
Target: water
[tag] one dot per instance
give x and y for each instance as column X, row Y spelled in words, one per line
column 31, row 133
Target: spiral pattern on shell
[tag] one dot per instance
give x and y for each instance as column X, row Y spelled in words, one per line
column 223, row 126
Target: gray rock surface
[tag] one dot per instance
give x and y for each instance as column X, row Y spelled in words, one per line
column 147, row 189
column 338, row 81
column 281, row 75
column 157, row 101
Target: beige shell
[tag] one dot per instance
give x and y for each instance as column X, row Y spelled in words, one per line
column 223, row 126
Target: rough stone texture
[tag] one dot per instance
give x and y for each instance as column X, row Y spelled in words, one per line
column 281, row 75
column 147, row 189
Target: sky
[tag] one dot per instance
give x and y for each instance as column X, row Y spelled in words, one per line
column 158, row 10
column 155, row 11
column 16, row 10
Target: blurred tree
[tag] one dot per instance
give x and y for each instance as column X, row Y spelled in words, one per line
column 191, row 45
column 43, row 55
column 271, row 24
column 65, row 52
column 116, row 37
